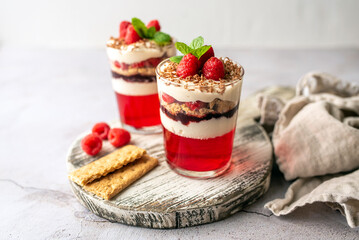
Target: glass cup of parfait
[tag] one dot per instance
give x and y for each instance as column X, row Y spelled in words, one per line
column 199, row 113
column 133, row 58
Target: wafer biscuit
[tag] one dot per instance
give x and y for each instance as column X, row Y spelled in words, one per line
column 112, row 184
column 106, row 164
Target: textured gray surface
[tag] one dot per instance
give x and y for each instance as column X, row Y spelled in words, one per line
column 41, row 93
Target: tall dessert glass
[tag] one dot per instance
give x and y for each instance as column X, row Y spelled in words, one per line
column 199, row 119
column 134, row 81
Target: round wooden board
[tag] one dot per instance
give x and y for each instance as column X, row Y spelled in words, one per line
column 164, row 199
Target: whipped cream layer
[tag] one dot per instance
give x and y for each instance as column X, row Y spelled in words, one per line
column 141, row 51
column 200, row 130
column 134, row 88
column 232, row 93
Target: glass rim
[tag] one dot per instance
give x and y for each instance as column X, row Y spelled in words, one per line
column 193, row 84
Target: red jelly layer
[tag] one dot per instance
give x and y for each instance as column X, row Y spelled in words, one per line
column 139, row 111
column 198, row 154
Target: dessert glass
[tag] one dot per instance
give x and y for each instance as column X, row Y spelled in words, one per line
column 199, row 120
column 134, row 82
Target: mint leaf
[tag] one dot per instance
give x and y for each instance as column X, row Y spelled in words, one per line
column 151, row 32
column 183, row 48
column 139, row 27
column 162, row 38
column 197, row 43
column 200, row 51
column 176, row 59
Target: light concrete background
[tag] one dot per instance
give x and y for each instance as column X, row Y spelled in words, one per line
column 225, row 23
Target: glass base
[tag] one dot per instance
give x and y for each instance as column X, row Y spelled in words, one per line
column 199, row 174
column 143, row 130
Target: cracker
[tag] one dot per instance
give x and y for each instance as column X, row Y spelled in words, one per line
column 106, row 164
column 112, row 184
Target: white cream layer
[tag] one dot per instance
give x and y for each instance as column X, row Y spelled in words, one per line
column 232, row 93
column 138, row 54
column 134, row 88
column 200, row 130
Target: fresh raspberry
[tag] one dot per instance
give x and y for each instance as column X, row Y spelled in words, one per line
column 123, row 28
column 194, row 105
column 119, row 137
column 117, row 64
column 167, row 98
column 122, row 65
column 207, row 55
column 154, row 23
column 131, row 35
column 213, row 69
column 91, row 144
column 154, row 61
column 138, row 64
column 101, row 129
column 188, row 66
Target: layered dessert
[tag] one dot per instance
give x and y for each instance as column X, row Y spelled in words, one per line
column 134, row 56
column 199, row 99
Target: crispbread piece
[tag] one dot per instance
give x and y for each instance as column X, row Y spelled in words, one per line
column 112, row 184
column 106, row 164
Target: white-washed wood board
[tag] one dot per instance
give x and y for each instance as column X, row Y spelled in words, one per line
column 164, row 199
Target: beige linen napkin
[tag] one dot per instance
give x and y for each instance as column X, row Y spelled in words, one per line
column 339, row 192
column 317, row 134
column 311, row 138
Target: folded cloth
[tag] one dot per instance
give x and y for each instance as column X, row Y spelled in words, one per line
column 313, row 138
column 317, row 134
column 339, row 192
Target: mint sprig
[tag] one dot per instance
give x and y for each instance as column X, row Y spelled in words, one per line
column 200, row 51
column 140, row 27
column 151, row 32
column 176, row 59
column 197, row 42
column 183, row 48
column 196, row 48
column 160, row 38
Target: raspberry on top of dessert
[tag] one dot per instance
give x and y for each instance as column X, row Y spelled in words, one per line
column 139, row 48
column 199, row 88
column 199, row 69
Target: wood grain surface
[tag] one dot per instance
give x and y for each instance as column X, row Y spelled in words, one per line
column 164, row 199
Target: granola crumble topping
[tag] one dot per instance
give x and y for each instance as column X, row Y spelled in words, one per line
column 217, row 106
column 233, row 72
column 121, row 45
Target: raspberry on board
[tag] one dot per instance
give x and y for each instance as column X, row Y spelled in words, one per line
column 119, row 137
column 101, row 129
column 91, row 144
